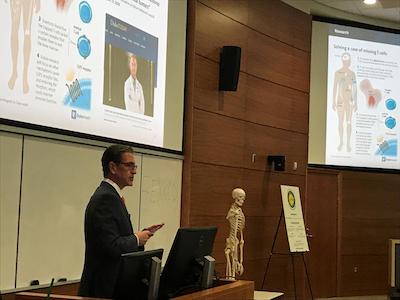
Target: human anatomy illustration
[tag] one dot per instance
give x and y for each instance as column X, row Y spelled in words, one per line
column 24, row 9
column 345, row 99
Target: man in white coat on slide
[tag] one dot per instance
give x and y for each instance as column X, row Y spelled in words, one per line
column 133, row 91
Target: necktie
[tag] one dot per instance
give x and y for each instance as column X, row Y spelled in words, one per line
column 123, row 200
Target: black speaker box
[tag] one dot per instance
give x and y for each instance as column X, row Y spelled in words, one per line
column 229, row 68
column 277, row 161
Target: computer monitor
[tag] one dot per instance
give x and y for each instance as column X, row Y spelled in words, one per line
column 139, row 275
column 182, row 273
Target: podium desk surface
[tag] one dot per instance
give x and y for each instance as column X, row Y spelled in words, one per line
column 34, row 296
column 238, row 290
column 264, row 295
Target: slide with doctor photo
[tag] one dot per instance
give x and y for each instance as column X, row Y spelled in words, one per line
column 86, row 66
column 363, row 92
column 130, row 68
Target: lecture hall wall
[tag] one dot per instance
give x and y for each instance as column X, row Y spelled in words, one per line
column 350, row 214
column 267, row 115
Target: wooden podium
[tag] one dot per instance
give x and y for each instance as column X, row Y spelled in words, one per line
column 238, row 290
column 37, row 296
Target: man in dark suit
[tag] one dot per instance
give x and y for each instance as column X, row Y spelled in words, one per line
column 108, row 229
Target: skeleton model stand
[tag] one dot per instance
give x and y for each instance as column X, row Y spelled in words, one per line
column 235, row 241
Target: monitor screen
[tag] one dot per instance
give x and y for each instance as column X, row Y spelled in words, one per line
column 135, row 272
column 183, row 269
column 354, row 96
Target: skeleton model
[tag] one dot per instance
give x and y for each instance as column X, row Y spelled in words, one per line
column 235, row 241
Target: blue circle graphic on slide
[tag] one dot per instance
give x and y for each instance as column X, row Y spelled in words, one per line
column 390, row 122
column 85, row 12
column 390, row 104
column 84, row 46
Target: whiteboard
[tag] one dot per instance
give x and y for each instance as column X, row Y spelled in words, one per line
column 57, row 181
column 10, row 173
column 161, row 199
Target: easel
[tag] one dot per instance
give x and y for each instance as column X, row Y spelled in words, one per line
column 292, row 254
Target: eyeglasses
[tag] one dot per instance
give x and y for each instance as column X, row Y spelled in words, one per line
column 129, row 165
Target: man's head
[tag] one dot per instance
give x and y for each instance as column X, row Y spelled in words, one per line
column 239, row 196
column 119, row 165
column 132, row 61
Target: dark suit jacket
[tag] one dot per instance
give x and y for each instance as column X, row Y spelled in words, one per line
column 108, row 234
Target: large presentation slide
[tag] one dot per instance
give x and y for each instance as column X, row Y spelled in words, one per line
column 92, row 67
column 362, row 98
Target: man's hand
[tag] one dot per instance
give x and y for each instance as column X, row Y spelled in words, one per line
column 143, row 236
column 154, row 228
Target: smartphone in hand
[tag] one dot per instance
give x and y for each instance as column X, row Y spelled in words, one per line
column 154, row 228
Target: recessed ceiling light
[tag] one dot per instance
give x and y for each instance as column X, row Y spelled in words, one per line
column 370, row 2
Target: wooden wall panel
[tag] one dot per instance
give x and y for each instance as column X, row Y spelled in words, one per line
column 263, row 191
column 371, row 195
column 368, row 215
column 188, row 119
column 274, row 105
column 265, row 141
column 208, row 97
column 212, row 186
column 279, row 276
column 253, row 101
column 267, row 115
column 262, row 56
column 322, row 220
column 274, row 19
column 282, row 22
column 214, row 30
column 218, row 139
column 240, row 140
column 237, row 10
column 367, row 236
column 277, row 62
column 362, row 275
column 259, row 233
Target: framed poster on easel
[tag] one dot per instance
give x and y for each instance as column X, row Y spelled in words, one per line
column 292, row 214
column 294, row 221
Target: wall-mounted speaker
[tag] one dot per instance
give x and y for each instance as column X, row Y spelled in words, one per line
column 277, row 162
column 229, row 68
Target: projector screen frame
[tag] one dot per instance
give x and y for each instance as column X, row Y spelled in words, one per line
column 173, row 112
column 86, row 139
column 343, row 22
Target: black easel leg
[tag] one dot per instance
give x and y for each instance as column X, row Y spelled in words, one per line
column 266, row 270
column 272, row 250
column 294, row 276
column 308, row 277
